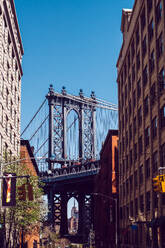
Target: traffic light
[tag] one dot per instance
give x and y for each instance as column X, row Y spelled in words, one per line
column 163, row 187
column 9, row 190
column 30, row 192
column 157, row 184
column 21, row 192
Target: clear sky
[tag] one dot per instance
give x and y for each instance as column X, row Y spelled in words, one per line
column 72, row 43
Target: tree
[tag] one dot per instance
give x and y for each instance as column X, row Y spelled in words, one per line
column 26, row 215
column 51, row 239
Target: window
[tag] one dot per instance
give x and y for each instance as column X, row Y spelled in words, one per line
column 152, row 61
column 141, row 203
column 18, row 124
column 140, row 146
column 162, row 116
column 155, row 201
column 126, row 116
column 11, row 108
column 123, row 143
column 155, row 161
column 132, row 49
column 135, row 152
column 139, row 88
column 151, row 30
column 141, row 174
column 148, row 199
column 146, row 104
column 1, row 144
column 134, row 124
column 130, row 132
column 145, row 75
column 130, row 157
column 137, row 36
column 131, row 208
column 133, row 73
column 125, row 92
column 125, row 71
column 6, row 151
column 149, row 5
column 158, row 12
column 154, row 127
column 147, row 168
column 140, row 116
column 153, row 94
column 134, row 99
column 15, row 115
column 18, row 103
column 129, row 83
column 131, row 183
column 159, row 44
column 14, row 141
column 127, row 188
column 7, row 98
column 161, row 80
column 163, row 155
column 147, row 136
column 136, row 206
column 144, row 46
column 0, row 113
column 11, row 132
column 138, row 61
column 143, row 19
column 135, row 179
column 128, row 61
column 6, row 125
column 15, row 95
column 130, row 108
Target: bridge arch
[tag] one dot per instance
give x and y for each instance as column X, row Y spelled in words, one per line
column 72, row 135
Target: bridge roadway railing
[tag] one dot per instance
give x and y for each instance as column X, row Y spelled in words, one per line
column 73, row 171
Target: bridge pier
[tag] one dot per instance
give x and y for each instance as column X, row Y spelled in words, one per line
column 64, row 220
column 81, row 202
column 51, row 206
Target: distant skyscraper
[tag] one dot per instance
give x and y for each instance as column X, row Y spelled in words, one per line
column 11, row 52
column 73, row 221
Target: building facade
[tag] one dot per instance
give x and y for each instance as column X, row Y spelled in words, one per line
column 141, row 101
column 11, row 52
column 105, row 196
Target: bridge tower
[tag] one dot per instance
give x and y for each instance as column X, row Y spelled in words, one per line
column 60, row 106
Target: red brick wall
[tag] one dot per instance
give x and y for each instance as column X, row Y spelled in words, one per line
column 105, row 184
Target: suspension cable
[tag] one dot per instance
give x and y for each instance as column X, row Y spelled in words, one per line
column 38, row 128
column 41, row 146
column 33, row 117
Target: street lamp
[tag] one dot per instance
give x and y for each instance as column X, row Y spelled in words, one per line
column 116, row 219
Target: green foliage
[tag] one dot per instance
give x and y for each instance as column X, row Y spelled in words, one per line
column 26, row 214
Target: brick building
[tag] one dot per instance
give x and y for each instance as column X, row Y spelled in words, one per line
column 141, row 101
column 26, row 152
column 11, row 52
column 106, row 193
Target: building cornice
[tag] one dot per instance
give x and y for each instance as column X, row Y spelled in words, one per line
column 131, row 27
column 16, row 24
column 12, row 34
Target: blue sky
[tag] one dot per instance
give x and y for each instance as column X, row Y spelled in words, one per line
column 72, row 43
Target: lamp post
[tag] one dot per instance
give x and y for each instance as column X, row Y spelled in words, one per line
column 116, row 219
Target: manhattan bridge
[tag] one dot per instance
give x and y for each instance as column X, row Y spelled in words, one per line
column 67, row 133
